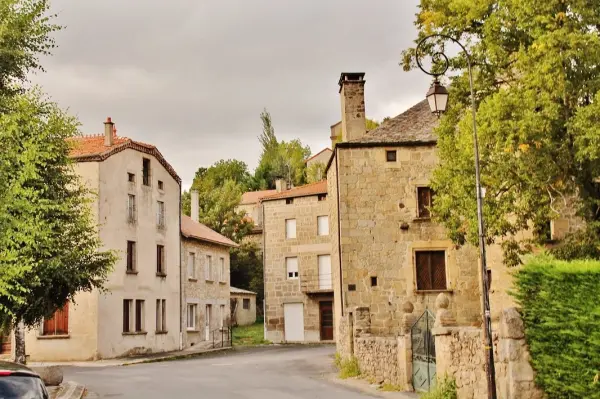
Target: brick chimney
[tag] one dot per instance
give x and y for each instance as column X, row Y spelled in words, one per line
column 195, row 205
column 109, row 128
column 352, row 96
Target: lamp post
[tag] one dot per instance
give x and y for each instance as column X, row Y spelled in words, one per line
column 437, row 97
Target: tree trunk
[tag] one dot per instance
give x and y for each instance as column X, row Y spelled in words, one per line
column 20, row 343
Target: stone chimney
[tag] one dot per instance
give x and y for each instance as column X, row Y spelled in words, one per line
column 109, row 128
column 352, row 95
column 336, row 131
column 280, row 185
column 195, row 205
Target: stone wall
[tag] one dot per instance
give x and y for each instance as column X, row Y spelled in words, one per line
column 307, row 246
column 460, row 355
column 378, row 358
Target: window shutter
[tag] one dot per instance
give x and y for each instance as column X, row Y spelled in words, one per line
column 422, row 265
column 438, row 270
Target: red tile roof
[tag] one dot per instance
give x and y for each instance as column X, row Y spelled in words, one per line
column 92, row 149
column 317, row 154
column 302, row 191
column 198, row 231
column 252, row 197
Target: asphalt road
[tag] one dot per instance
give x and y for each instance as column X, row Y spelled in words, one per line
column 263, row 373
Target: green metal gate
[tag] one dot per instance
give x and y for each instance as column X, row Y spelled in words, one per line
column 423, row 353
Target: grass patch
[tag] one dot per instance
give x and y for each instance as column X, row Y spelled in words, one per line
column 390, row 388
column 445, row 389
column 349, row 368
column 250, row 335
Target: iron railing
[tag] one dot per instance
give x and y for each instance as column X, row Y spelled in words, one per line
column 221, row 337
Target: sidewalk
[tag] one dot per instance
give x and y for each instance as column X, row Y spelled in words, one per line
column 365, row 387
column 155, row 357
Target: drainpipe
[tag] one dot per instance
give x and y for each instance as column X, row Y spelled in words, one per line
column 181, row 286
column 337, row 187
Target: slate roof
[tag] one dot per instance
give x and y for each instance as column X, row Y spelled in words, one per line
column 252, row 197
column 92, row 149
column 302, row 191
column 191, row 229
column 234, row 290
column 415, row 125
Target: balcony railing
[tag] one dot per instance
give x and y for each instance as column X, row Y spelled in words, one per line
column 322, row 283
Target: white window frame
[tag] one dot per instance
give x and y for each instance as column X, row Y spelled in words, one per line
column 290, row 233
column 222, row 269
column 290, row 273
column 191, row 266
column 131, row 208
column 160, row 214
column 325, row 230
column 194, row 307
column 208, row 268
column 161, row 315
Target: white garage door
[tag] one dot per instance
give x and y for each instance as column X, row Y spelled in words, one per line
column 293, row 314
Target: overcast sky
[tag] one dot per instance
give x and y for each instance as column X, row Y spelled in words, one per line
column 192, row 77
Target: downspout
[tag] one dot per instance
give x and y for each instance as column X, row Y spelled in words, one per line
column 337, row 187
column 181, row 287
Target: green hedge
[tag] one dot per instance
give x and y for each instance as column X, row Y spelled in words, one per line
column 560, row 304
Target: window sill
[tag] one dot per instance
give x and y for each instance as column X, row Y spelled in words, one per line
column 161, row 332
column 192, row 330
column 192, row 279
column 67, row 336
column 222, row 282
column 161, row 274
column 134, row 272
column 136, row 333
column 209, row 281
column 422, row 219
column 447, row 291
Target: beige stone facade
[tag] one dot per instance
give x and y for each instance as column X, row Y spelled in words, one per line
column 321, row 157
column 206, row 289
column 297, row 266
column 96, row 323
column 243, row 307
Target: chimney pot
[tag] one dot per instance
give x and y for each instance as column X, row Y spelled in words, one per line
column 108, row 132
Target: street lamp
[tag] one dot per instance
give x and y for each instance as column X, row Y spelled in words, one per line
column 437, row 96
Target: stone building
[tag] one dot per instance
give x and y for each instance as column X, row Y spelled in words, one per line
column 137, row 210
column 297, row 265
column 205, row 274
column 251, row 205
column 243, row 306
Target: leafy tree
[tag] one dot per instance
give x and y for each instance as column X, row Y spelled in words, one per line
column 221, row 171
column 279, row 159
column 247, row 269
column 315, row 172
column 371, row 124
column 536, row 80
column 25, row 27
column 49, row 245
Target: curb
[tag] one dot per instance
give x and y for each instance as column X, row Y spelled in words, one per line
column 70, row 390
column 177, row 357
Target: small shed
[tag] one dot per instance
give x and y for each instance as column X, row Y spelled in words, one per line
column 243, row 306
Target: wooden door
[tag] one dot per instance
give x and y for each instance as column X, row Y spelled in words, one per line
column 326, row 311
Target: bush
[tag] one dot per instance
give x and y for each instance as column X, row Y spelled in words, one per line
column 445, row 389
column 348, row 368
column 560, row 304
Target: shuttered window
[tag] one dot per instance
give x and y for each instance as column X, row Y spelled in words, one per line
column 58, row 324
column 431, row 270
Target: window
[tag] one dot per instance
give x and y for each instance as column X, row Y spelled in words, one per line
column 160, row 215
column 161, row 185
column 373, row 281
column 208, row 268
column 290, row 228
column 139, row 315
column 222, row 314
column 58, row 324
column 146, row 172
column 324, row 264
column 321, row 197
column 291, row 265
column 191, row 266
column 390, row 156
column 289, row 201
column 222, row 269
column 246, row 303
column 161, row 315
column 127, row 310
column 351, row 287
column 131, row 208
column 192, row 311
column 160, row 260
column 131, row 257
column 131, row 177
column 323, row 225
column 424, row 196
column 431, row 270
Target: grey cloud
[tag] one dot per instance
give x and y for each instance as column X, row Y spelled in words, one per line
column 192, row 76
